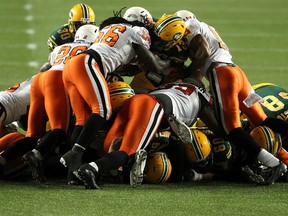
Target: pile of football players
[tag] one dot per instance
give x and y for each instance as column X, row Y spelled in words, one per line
column 78, row 119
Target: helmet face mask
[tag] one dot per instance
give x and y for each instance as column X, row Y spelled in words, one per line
column 171, row 29
column 79, row 15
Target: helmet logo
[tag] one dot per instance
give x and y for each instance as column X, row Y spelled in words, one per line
column 177, row 36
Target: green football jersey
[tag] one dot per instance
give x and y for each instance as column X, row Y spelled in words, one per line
column 59, row 36
column 275, row 100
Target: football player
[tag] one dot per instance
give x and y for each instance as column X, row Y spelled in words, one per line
column 14, row 105
column 93, row 66
column 176, row 53
column 49, row 101
column 275, row 105
column 275, row 100
column 175, row 105
column 231, row 91
column 80, row 14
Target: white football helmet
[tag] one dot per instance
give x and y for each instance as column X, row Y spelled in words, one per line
column 86, row 33
column 185, row 15
column 138, row 14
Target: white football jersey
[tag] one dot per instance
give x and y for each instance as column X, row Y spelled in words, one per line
column 114, row 44
column 219, row 50
column 16, row 101
column 61, row 54
column 185, row 100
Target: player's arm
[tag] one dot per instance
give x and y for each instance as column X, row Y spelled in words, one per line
column 150, row 62
column 47, row 65
column 128, row 70
column 154, row 67
column 199, row 51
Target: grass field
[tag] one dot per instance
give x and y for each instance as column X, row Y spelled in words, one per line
column 256, row 33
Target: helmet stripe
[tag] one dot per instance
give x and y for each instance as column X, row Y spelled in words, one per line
column 122, row 91
column 278, row 141
column 269, row 139
column 165, row 23
column 85, row 10
column 165, row 168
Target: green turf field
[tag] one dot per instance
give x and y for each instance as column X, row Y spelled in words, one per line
column 256, row 33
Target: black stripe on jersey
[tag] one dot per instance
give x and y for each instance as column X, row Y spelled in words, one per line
column 98, row 83
column 85, row 10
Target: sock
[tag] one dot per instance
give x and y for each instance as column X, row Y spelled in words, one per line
column 277, row 125
column 112, row 160
column 267, row 159
column 241, row 138
column 90, row 129
column 50, row 141
column 19, row 148
column 75, row 134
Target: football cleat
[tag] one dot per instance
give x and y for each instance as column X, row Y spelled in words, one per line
column 180, row 129
column 87, row 174
column 72, row 179
column 276, row 172
column 251, row 176
column 137, row 170
column 35, row 166
column 73, row 158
